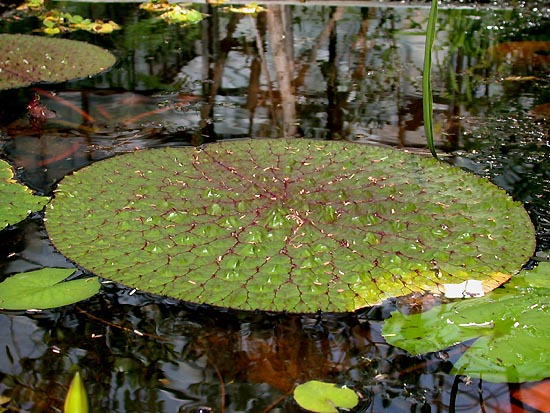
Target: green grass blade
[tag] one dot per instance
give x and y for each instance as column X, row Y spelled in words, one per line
column 427, row 98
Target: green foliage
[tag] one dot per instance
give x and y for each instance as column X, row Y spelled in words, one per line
column 173, row 13
column 17, row 200
column 181, row 15
column 56, row 22
column 427, row 97
column 76, row 400
column 25, row 60
column 41, row 289
column 287, row 225
column 320, row 397
column 251, row 9
column 511, row 325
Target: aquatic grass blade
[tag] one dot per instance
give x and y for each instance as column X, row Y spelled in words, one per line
column 427, row 97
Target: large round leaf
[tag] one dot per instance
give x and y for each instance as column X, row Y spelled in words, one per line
column 287, row 225
column 26, row 59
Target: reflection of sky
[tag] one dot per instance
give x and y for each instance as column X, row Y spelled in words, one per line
column 21, row 339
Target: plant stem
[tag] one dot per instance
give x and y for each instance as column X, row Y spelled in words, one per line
column 427, row 97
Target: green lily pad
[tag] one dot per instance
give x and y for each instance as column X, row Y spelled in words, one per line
column 26, row 59
column 173, row 13
column 17, row 200
column 511, row 324
column 320, row 397
column 41, row 289
column 287, row 225
column 181, row 15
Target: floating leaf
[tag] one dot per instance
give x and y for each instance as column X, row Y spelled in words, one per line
column 77, row 398
column 156, row 6
column 61, row 22
column 17, row 201
column 173, row 13
column 181, row 15
column 287, row 225
column 100, row 26
column 31, row 5
column 43, row 288
column 320, row 397
column 511, row 324
column 52, row 30
column 28, row 59
column 252, row 8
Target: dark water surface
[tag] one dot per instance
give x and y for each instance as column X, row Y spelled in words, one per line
column 351, row 72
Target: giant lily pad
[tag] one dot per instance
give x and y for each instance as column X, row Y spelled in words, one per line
column 17, row 201
column 287, row 225
column 28, row 59
column 511, row 324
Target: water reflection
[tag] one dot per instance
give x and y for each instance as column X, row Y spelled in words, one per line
column 328, row 72
column 140, row 354
column 335, row 72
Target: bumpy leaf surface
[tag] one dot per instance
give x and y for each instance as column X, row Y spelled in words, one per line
column 28, row 59
column 16, row 200
column 287, row 225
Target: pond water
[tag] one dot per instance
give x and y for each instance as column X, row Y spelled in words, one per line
column 343, row 71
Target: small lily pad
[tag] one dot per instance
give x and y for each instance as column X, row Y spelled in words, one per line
column 173, row 13
column 181, row 15
column 17, row 201
column 320, row 397
column 251, row 9
column 287, row 225
column 26, row 59
column 56, row 21
column 41, row 289
column 511, row 325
